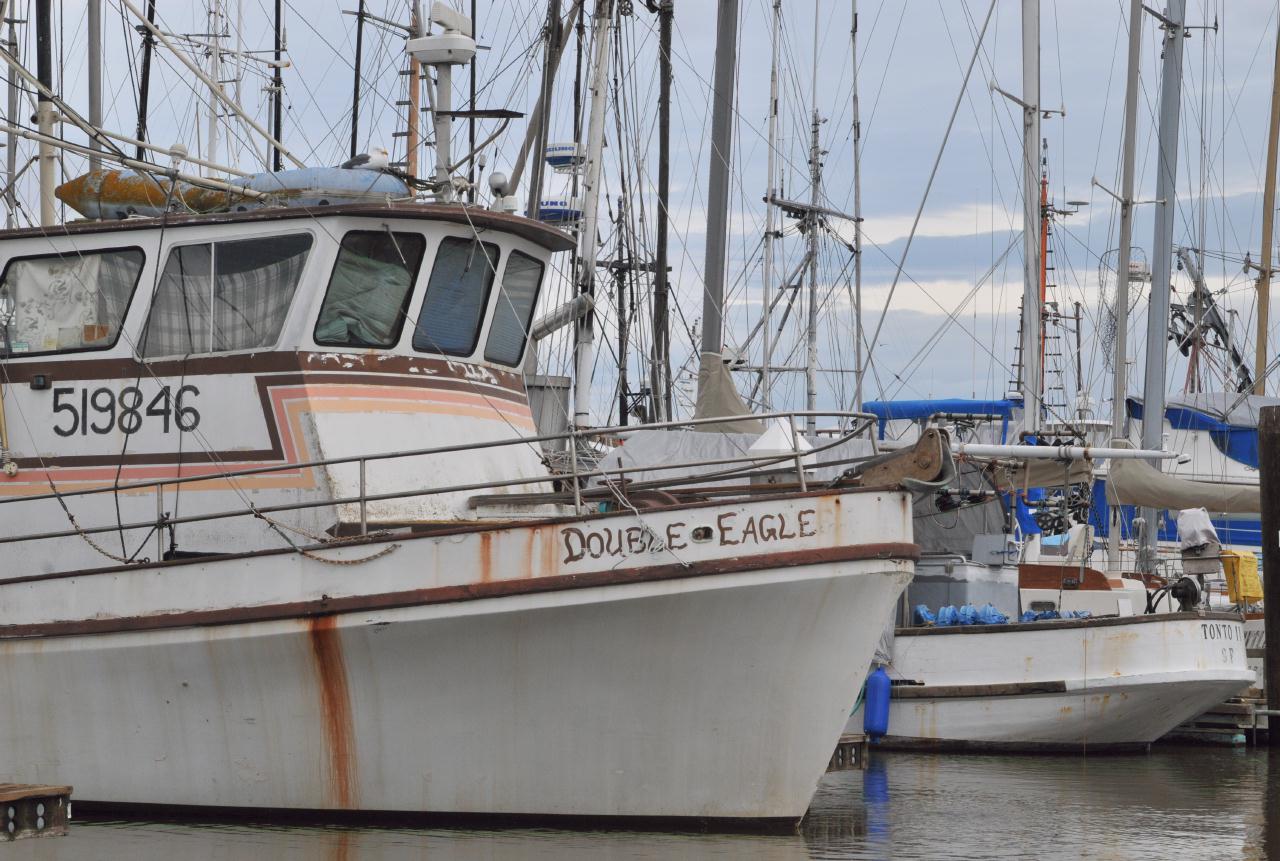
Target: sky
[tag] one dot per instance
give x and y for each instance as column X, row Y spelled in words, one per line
column 948, row 331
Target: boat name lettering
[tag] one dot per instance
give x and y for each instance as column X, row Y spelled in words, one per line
column 762, row 528
column 1221, row 631
column 101, row 410
column 619, row 541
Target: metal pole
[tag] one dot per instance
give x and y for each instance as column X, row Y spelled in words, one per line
column 355, row 86
column 144, row 77
column 812, row 220
column 584, row 342
column 722, row 94
column 1269, row 486
column 1120, row 377
column 536, row 135
column 766, row 333
column 1161, row 258
column 215, row 83
column 277, row 91
column 661, row 363
column 858, row 371
column 1268, row 222
column 11, row 139
column 44, row 110
column 95, row 77
column 1031, row 305
column 471, row 106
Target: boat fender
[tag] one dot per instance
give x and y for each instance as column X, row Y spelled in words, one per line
column 875, row 713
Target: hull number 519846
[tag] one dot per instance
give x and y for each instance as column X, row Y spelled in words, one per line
column 102, row 410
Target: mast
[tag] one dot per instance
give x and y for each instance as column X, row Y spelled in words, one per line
column 660, row 378
column 1162, row 254
column 144, row 78
column 95, row 78
column 11, row 139
column 415, row 100
column 277, row 91
column 766, row 334
column 1030, row 378
column 1120, row 377
column 355, row 86
column 718, row 183
column 1268, row 222
column 858, row 370
column 44, row 110
column 584, row 344
column 471, row 120
column 812, row 220
column 215, row 87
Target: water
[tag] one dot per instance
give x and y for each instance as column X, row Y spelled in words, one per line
column 1175, row 803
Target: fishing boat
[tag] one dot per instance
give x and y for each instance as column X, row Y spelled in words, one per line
column 282, row 535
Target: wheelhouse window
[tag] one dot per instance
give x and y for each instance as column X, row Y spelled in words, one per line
column 368, row 295
column 64, row 302
column 223, row 296
column 457, row 293
column 516, row 297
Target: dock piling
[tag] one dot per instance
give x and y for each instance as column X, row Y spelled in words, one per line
column 1269, row 488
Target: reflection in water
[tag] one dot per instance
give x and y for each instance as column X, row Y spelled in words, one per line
column 1175, row 803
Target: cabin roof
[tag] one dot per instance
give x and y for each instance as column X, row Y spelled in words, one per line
column 473, row 216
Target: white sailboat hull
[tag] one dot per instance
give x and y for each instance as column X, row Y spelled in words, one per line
column 716, row 687
column 1072, row 685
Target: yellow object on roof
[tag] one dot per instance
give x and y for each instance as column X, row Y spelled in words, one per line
column 1243, row 585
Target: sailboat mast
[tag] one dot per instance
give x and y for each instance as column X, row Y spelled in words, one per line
column 1161, row 259
column 11, row 139
column 95, row 78
column 588, row 240
column 45, row 111
column 858, row 370
column 215, row 86
column 722, row 95
column 815, row 186
column 355, row 84
column 144, row 78
column 661, row 363
column 1030, row 378
column 766, row 334
column 1120, row 376
column 1268, row 222
column 277, row 89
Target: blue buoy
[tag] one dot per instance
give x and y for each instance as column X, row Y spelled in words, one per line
column 875, row 711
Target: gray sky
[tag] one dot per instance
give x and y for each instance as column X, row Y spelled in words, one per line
column 912, row 56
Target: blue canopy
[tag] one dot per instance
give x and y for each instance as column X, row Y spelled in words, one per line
column 918, row 410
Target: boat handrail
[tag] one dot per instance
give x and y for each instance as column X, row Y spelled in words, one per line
column 742, row 464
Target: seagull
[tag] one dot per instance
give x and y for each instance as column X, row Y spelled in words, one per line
column 379, row 159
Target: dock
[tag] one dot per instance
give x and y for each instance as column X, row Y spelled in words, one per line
column 1231, row 723
column 851, row 753
column 34, row 810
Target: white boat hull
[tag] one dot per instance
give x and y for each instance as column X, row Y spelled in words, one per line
column 619, row 692
column 1073, row 685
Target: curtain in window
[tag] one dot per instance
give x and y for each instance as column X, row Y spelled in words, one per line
column 227, row 296
column 369, row 288
column 67, row 302
column 516, row 298
column 451, row 313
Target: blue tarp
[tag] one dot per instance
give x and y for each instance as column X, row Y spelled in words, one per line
column 1240, row 443
column 888, row 411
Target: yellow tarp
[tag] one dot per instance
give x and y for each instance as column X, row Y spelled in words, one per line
column 1243, row 585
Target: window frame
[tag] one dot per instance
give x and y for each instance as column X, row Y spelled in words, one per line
column 84, row 252
column 527, row 323
column 238, row 236
column 408, row 294
column 481, row 327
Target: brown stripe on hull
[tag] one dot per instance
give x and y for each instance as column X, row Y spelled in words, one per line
column 1012, row 689
column 326, row 606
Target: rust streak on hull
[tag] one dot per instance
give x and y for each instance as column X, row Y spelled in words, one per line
column 335, row 711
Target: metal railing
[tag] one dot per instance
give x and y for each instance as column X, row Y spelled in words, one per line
column 739, row 466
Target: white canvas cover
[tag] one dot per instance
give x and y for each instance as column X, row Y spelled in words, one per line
column 1136, row 482
column 717, row 396
column 1195, row 529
